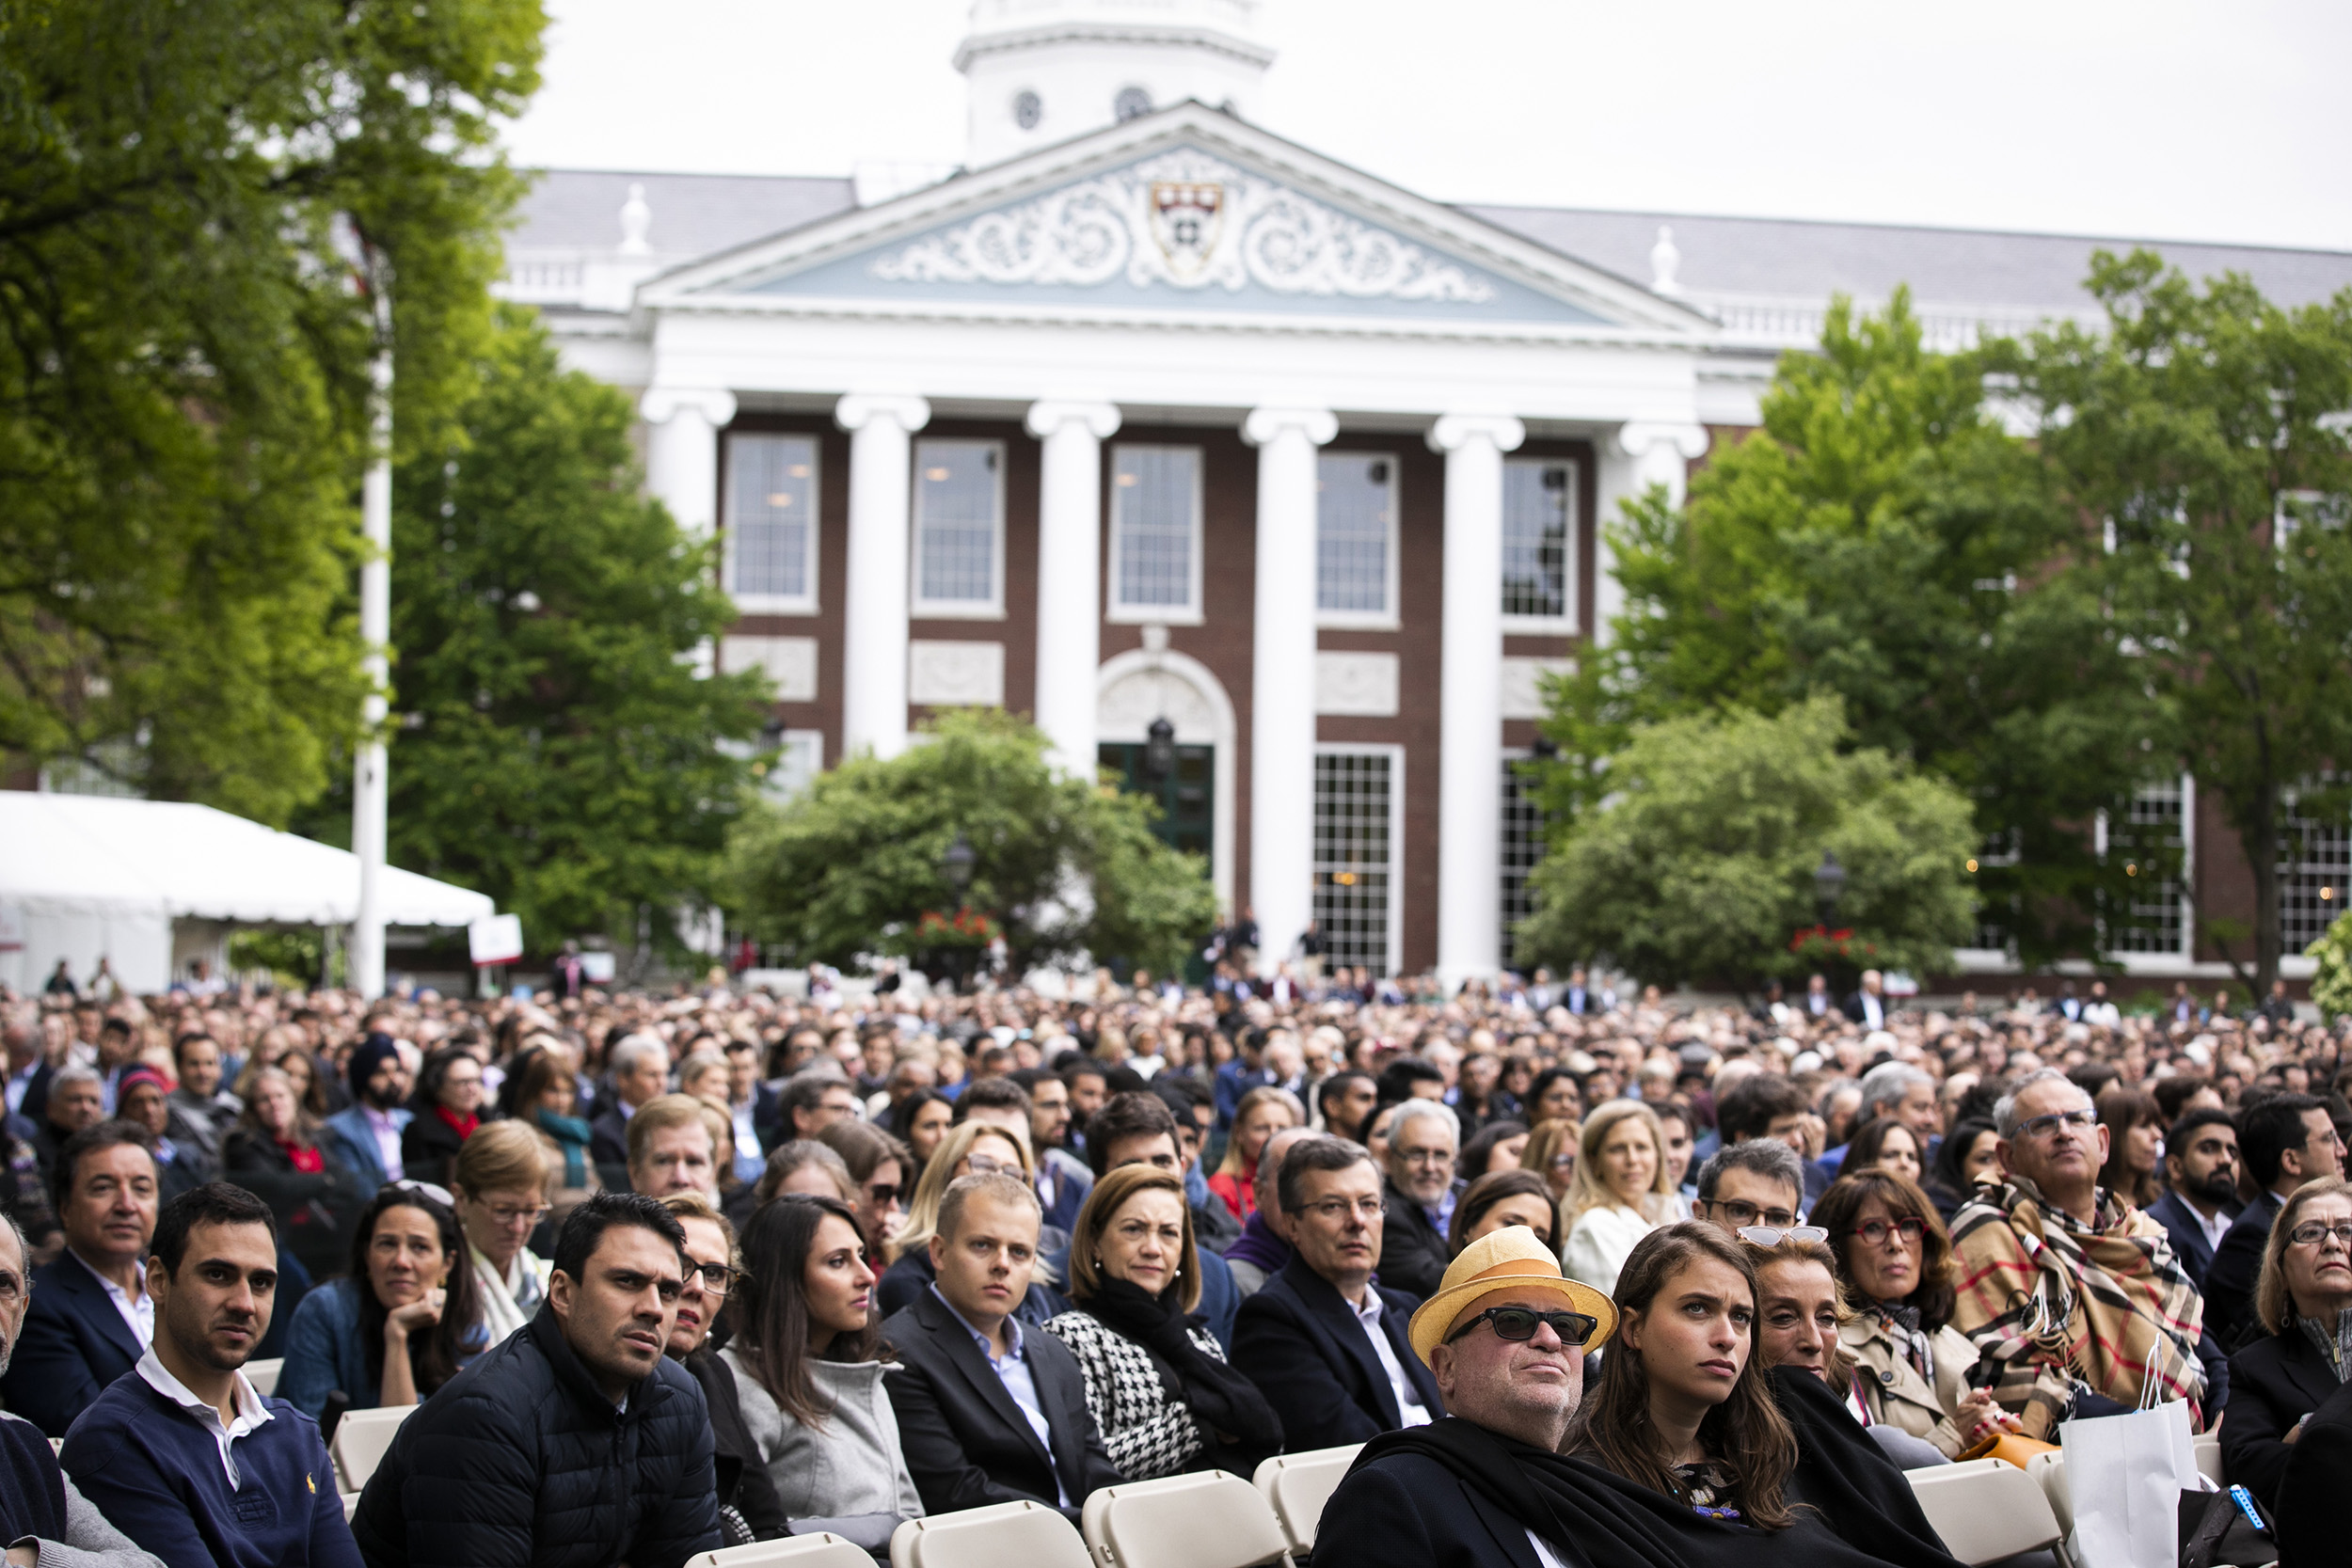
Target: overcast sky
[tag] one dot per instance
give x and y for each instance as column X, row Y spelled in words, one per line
column 2209, row 120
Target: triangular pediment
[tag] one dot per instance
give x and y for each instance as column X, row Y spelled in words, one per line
column 1185, row 212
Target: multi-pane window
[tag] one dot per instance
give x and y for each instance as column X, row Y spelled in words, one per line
column 1355, row 855
column 1356, row 539
column 1155, row 533
column 800, row 757
column 1523, row 848
column 2315, row 865
column 2149, row 843
column 1996, row 917
column 772, row 522
column 1539, row 539
column 959, row 527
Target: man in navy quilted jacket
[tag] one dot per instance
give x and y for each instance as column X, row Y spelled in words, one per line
column 573, row 1443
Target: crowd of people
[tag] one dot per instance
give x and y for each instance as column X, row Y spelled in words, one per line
column 1594, row 1281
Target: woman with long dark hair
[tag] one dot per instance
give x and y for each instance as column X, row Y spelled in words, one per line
column 1965, row 1161
column 1885, row 1144
column 401, row 1323
column 447, row 1107
column 542, row 1093
column 2135, row 1124
column 807, row 1357
column 276, row 1153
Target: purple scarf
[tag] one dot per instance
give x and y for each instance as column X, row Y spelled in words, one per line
column 1259, row 1245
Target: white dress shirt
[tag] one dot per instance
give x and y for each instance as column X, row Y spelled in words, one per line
column 1408, row 1404
column 1012, row 1371
column 252, row 1413
column 139, row 1314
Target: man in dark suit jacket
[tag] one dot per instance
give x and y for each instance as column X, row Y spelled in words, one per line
column 640, row 1070
column 2201, row 1174
column 2311, row 1497
column 1326, row 1345
column 2286, row 1141
column 1423, row 1138
column 989, row 1411
column 91, row 1318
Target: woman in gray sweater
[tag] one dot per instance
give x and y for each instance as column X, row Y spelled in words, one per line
column 808, row 1363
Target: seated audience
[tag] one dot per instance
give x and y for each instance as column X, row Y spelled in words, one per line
column 499, row 1183
column 2028, row 1252
column 365, row 1139
column 91, row 1318
column 275, row 1152
column 1968, row 1158
column 1261, row 1248
column 141, row 1096
column 545, row 1096
column 77, row 1099
column 1135, row 1129
column 2318, row 1474
column 183, row 1456
column 444, row 1112
column 400, row 1325
column 749, row 1509
column 974, row 1149
column 1346, row 1099
column 2201, row 1164
column 796, row 1165
column 1885, row 1144
column 990, row 1410
column 638, row 1067
column 1504, row 1337
column 880, row 1169
column 807, row 1363
column 670, row 1149
column 1495, row 1147
column 813, row 1100
column 1894, row 1260
column 202, row 1109
column 46, row 1518
column 1551, row 1153
column 2283, row 1142
column 1768, row 1105
column 1499, row 1199
column 1621, row 1192
column 1257, row 1117
column 1157, row 1383
column 922, row 1120
column 1420, row 1192
column 575, row 1444
column 1326, row 1345
column 1758, row 1182
column 2135, row 1124
column 2303, row 1305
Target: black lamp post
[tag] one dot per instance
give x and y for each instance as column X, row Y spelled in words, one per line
column 1159, row 750
column 1829, row 885
column 956, row 864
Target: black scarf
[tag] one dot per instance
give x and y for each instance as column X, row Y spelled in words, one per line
column 1231, row 1412
column 32, row 1488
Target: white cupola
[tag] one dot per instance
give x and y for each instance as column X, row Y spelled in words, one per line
column 1039, row 71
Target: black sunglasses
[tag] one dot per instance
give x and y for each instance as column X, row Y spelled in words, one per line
column 1518, row 1322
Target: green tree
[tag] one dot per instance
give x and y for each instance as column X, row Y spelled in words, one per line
column 1882, row 539
column 2331, row 984
column 1700, row 865
column 554, row 747
column 184, row 366
column 2202, row 432
column 1063, row 867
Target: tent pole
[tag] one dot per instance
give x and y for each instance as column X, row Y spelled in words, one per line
column 370, row 781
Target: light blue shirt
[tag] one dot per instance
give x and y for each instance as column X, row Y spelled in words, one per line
column 1014, row 1372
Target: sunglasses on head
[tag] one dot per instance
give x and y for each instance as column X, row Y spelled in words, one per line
column 1767, row 1235
column 1518, row 1322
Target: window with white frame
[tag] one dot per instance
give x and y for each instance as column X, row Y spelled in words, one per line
column 2315, row 867
column 2151, row 838
column 1358, row 803
column 1155, row 533
column 1522, row 851
column 800, row 757
column 1356, row 539
column 1539, row 543
column 772, row 523
column 959, row 528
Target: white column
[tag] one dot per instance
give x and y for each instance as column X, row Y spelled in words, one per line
column 874, row 631
column 682, row 452
column 1069, row 575
column 371, row 783
column 1469, row 715
column 1282, row 677
column 1641, row 453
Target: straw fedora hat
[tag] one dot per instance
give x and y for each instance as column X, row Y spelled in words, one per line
column 1512, row 1260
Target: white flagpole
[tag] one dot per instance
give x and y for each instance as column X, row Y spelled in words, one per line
column 370, row 781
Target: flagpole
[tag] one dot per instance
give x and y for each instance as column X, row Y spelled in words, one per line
column 371, row 779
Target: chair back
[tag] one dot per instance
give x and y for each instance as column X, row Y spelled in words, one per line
column 1210, row 1520
column 2048, row 1471
column 1002, row 1535
column 822, row 1550
column 2208, row 1445
column 264, row 1375
column 362, row 1438
column 1985, row 1510
column 1300, row 1484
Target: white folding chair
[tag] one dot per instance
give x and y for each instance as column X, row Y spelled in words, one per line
column 1002, row 1535
column 1210, row 1520
column 1985, row 1510
column 2048, row 1470
column 1300, row 1484
column 822, row 1550
column 2209, row 1458
column 351, row 1505
column 362, row 1438
column 264, row 1375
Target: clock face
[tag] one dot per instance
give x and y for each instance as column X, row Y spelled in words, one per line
column 1027, row 109
column 1132, row 102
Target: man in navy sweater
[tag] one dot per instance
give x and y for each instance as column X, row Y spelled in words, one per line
column 181, row 1453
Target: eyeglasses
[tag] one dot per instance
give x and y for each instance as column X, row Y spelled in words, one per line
column 516, row 1218
column 1518, row 1322
column 2043, row 1127
column 980, row 1164
column 1334, row 1211
column 718, row 1278
column 1772, row 1235
column 2315, row 1233
column 883, row 1195
column 1874, row 1232
column 1742, row 1215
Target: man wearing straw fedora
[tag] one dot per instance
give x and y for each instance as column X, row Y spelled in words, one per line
column 1506, row 1337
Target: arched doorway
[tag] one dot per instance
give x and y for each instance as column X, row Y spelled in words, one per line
column 1154, row 682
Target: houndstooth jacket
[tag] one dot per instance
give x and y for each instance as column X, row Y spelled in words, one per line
column 1150, row 1432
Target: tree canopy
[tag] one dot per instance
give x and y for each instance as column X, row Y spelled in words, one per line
column 1062, row 867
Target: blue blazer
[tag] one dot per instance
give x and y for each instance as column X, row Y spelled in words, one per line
column 73, row 1345
column 1300, row 1342
column 350, row 1142
column 2190, row 1245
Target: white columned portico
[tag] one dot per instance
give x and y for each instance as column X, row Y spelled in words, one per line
column 1070, row 575
column 682, row 452
column 1643, row 453
column 874, row 618
column 1282, row 679
column 1469, row 799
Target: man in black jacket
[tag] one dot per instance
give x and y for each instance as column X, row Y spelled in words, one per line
column 1423, row 1139
column 988, row 1411
column 2286, row 1141
column 1325, row 1344
column 571, row 1444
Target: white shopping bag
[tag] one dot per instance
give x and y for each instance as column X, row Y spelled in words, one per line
column 2124, row 1476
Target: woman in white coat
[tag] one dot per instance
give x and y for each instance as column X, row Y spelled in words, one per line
column 1621, row 1192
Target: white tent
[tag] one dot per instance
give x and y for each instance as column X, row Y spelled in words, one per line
column 145, row 882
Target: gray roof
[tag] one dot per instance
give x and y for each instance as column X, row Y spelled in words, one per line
column 693, row 215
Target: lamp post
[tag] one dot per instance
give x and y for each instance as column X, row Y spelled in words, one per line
column 1829, row 885
column 956, row 865
column 1159, row 750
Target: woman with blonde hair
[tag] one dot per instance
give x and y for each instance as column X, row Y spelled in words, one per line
column 1263, row 1112
column 2302, row 1353
column 499, row 1182
column 1619, row 1192
column 972, row 1148
column 1551, row 1153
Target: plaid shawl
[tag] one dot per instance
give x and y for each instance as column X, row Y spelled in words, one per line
column 2051, row 1302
